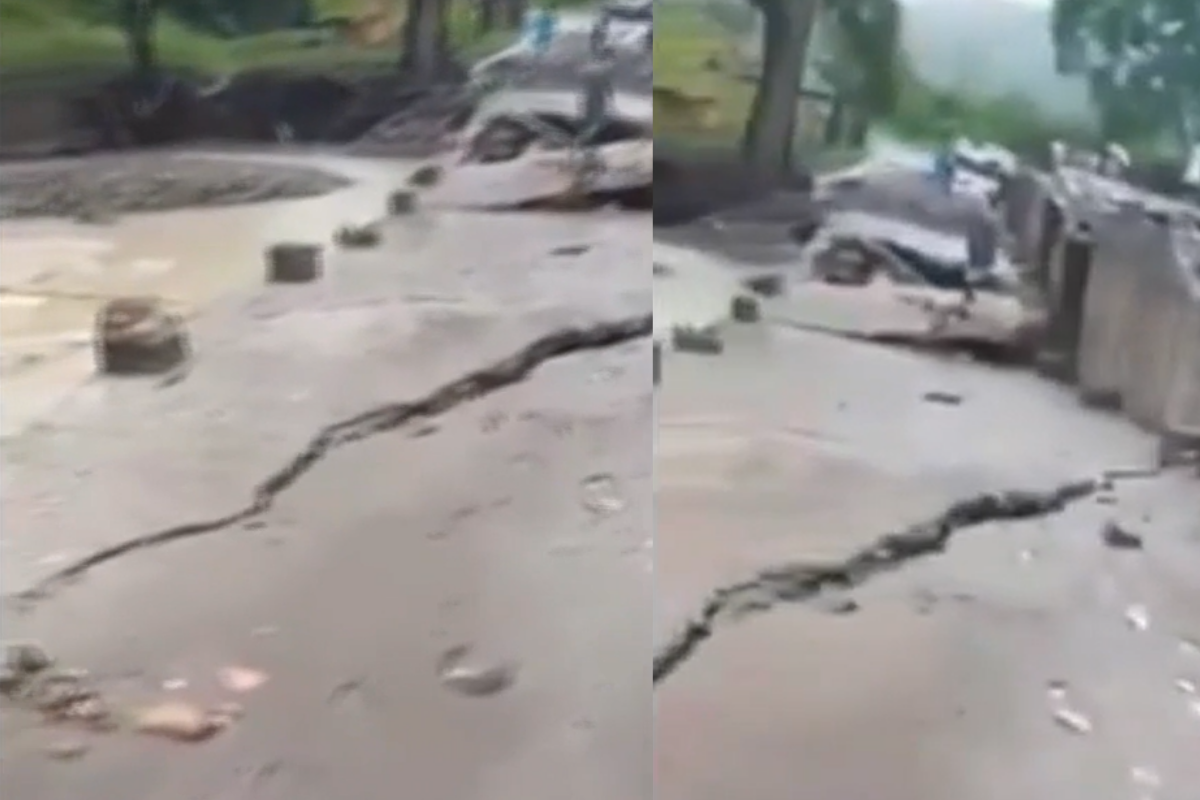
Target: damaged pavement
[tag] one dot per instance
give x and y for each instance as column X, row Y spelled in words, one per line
column 393, row 526
column 886, row 572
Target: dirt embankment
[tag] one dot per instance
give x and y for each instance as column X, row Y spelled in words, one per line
column 692, row 183
column 127, row 127
column 74, row 114
column 95, row 188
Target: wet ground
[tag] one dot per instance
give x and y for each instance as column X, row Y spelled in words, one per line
column 519, row 524
column 1031, row 659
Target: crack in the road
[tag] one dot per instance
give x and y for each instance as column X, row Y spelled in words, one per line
column 802, row 583
column 381, row 419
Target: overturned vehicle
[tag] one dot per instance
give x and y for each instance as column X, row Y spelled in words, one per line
column 523, row 149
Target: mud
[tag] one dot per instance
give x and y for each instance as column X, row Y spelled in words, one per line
column 76, row 115
column 100, row 187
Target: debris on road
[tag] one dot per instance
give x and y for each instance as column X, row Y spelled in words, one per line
column 745, row 309
column 1063, row 712
column 700, row 341
column 1118, row 538
column 425, row 176
column 401, row 203
column 359, row 236
column 459, row 671
column 767, row 285
column 241, row 679
column 943, row 398
column 139, row 336
column 570, row 250
column 179, row 721
column 294, row 263
column 1137, row 617
column 601, row 495
column 522, row 149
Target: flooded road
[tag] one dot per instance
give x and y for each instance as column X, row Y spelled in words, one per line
column 479, row 527
column 58, row 272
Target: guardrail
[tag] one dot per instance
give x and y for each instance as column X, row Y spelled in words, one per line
column 1121, row 281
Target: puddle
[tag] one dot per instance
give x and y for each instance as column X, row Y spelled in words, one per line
column 57, row 273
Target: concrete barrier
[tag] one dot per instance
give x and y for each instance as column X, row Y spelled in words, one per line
column 1122, row 289
column 1119, row 240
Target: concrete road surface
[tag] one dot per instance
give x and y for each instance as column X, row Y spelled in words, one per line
column 519, row 525
column 1030, row 659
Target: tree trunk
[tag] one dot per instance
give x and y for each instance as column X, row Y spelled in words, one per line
column 787, row 27
column 513, row 12
column 487, row 17
column 139, row 21
column 425, row 42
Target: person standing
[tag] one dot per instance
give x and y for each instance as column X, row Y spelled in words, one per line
column 540, row 29
column 596, row 94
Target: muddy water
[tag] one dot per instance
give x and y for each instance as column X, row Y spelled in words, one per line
column 57, row 273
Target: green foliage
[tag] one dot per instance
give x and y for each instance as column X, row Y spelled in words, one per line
column 1141, row 59
column 44, row 36
column 866, row 66
column 925, row 114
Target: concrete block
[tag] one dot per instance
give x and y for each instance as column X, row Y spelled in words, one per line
column 401, row 203
column 294, row 263
column 138, row 336
column 1109, row 306
column 745, row 308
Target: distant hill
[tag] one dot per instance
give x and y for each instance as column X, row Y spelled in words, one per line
column 991, row 47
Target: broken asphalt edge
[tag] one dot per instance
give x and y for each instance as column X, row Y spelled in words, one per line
column 385, row 418
column 801, row 583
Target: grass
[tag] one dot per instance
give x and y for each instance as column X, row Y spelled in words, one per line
column 56, row 36
column 698, row 96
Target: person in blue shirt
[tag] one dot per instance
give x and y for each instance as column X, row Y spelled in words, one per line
column 541, row 25
column 943, row 168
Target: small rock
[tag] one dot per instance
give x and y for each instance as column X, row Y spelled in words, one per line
column 601, row 495
column 701, row 341
column 1072, row 721
column 294, row 263
column 1118, row 538
column 473, row 680
column 766, row 285
column 401, row 203
column 179, row 721
column 27, row 658
column 745, row 309
column 571, row 250
column 241, row 679
column 835, row 604
column 943, row 398
column 425, row 176
column 11, row 681
column 1138, row 617
column 67, row 750
column 358, row 236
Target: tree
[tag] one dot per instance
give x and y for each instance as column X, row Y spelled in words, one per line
column 137, row 21
column 866, row 34
column 425, row 41
column 1141, row 59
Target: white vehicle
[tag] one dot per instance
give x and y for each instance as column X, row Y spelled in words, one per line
column 518, row 149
